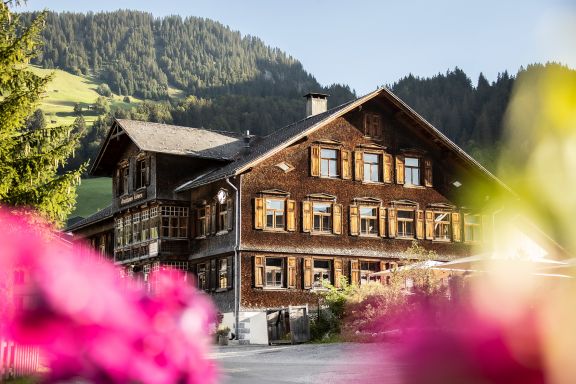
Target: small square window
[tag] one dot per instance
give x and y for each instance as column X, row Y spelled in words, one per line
column 412, row 171
column 275, row 213
column 368, row 221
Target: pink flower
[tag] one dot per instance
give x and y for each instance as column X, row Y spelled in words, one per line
column 90, row 324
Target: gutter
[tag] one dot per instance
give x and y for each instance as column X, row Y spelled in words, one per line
column 237, row 265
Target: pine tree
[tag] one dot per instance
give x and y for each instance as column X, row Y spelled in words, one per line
column 30, row 152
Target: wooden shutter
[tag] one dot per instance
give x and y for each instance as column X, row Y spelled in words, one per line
column 290, row 215
column 354, row 221
column 213, row 219
column 392, row 224
column 337, row 219
column 486, row 229
column 354, row 272
column 382, row 221
column 359, row 165
column 387, row 168
column 337, row 272
column 419, row 224
column 230, row 207
column 346, row 163
column 314, row 160
column 429, row 225
column 291, row 272
column 427, row 172
column 208, row 213
column 456, row 227
column 382, row 266
column 259, row 213
column 400, row 169
column 213, row 275
column 229, row 270
column 259, row 271
column 307, row 272
column 306, row 216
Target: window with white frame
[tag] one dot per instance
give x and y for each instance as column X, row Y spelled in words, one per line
column 366, row 269
column 322, row 217
column 154, row 222
column 127, row 229
column 405, row 220
column 372, row 167
column 412, row 171
column 322, row 271
column 275, row 213
column 223, row 215
column 174, row 221
column 145, row 225
column 328, row 162
column 368, row 220
column 274, row 272
column 442, row 226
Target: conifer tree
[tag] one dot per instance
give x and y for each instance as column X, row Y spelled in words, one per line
column 30, row 152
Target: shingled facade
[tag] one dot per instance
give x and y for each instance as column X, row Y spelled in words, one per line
column 261, row 222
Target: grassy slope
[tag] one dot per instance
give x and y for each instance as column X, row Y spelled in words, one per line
column 65, row 90
column 93, row 195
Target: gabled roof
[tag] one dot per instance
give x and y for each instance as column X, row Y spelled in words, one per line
column 103, row 214
column 290, row 134
column 170, row 139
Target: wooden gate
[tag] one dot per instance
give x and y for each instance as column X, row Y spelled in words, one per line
column 299, row 324
column 17, row 360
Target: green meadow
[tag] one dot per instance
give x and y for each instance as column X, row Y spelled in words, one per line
column 93, row 195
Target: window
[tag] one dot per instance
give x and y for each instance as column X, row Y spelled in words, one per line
column 127, row 229
column 405, row 223
column 142, row 172
column 174, row 222
column 372, row 125
column 201, row 275
column 136, row 228
column 372, row 167
column 322, row 213
column 154, row 222
column 368, row 221
column 274, row 272
column 119, row 233
column 275, row 213
column 328, row 162
column 412, row 171
column 145, row 225
column 123, row 180
column 367, row 268
column 222, row 273
column 321, row 272
column 442, row 226
column 223, row 215
column 472, row 228
column 19, row 277
column 201, row 222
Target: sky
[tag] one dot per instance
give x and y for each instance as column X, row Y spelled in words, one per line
column 367, row 44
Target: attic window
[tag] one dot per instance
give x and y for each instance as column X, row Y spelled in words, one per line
column 285, row 167
column 372, row 125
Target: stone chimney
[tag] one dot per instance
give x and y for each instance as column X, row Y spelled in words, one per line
column 316, row 103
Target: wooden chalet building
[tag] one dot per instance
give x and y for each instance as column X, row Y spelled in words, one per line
column 262, row 221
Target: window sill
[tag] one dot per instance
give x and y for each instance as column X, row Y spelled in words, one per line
column 369, row 182
column 274, row 288
column 323, row 234
column 406, row 238
column 412, row 186
column 223, row 232
column 369, row 236
column 280, row 230
column 441, row 240
column 218, row 290
column 338, row 177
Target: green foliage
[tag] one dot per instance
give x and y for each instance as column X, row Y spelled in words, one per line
column 104, row 90
column 30, row 152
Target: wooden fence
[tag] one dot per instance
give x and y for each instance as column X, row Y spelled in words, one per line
column 17, row 360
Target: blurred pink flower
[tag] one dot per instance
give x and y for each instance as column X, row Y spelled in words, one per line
column 91, row 325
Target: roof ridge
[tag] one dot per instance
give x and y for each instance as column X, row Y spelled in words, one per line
column 181, row 126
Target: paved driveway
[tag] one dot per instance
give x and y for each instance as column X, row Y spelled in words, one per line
column 308, row 363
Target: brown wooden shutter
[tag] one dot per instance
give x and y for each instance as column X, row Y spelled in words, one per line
column 354, row 272
column 307, row 272
column 392, row 224
column 291, row 272
column 259, row 213
column 354, row 221
column 213, row 219
column 382, row 221
column 428, row 172
column 147, row 171
column 382, row 266
column 486, row 229
column 229, row 270
column 208, row 213
column 359, row 165
column 419, row 224
column 429, row 225
column 456, row 227
column 337, row 219
column 315, row 160
column 400, row 169
column 259, row 271
column 337, row 272
column 290, row 215
column 306, row 216
column 230, row 207
column 387, row 168
column 346, row 157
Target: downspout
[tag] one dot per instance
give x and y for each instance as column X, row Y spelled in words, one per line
column 237, row 265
